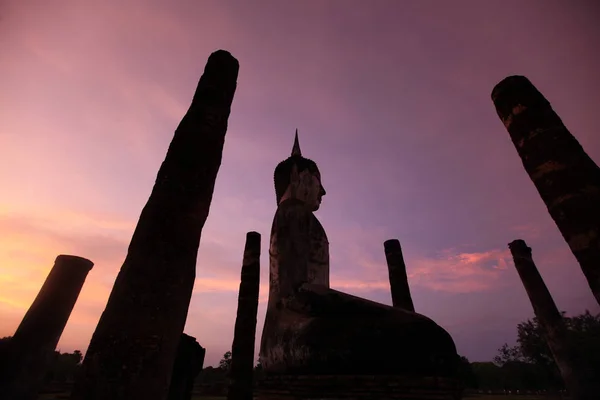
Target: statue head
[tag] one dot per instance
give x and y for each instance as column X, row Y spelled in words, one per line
column 299, row 178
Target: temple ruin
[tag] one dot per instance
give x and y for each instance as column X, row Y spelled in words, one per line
column 566, row 178
column 583, row 383
column 242, row 350
column 33, row 344
column 322, row 343
column 134, row 346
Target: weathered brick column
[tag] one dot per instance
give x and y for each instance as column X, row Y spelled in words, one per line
column 567, row 179
column 188, row 364
column 35, row 340
column 582, row 381
column 398, row 279
column 133, row 349
column 242, row 350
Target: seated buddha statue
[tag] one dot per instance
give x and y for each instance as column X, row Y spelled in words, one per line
column 311, row 329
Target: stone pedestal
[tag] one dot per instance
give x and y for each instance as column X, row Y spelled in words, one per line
column 566, row 178
column 133, row 348
column 357, row 387
column 33, row 344
column 401, row 297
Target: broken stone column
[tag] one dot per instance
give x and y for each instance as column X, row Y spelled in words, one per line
column 398, row 279
column 566, row 178
column 579, row 378
column 32, row 346
column 242, row 350
column 133, row 349
column 188, row 364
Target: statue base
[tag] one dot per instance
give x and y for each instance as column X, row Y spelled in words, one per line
column 359, row 387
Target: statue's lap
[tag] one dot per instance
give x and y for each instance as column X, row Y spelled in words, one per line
column 365, row 345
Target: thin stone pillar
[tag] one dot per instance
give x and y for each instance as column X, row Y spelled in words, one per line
column 32, row 346
column 566, row 178
column 188, row 364
column 133, row 348
column 242, row 350
column 401, row 297
column 579, row 378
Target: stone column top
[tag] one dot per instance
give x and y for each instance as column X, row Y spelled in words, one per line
column 391, row 245
column 513, row 91
column 519, row 248
column 253, row 239
column 219, row 60
column 74, row 261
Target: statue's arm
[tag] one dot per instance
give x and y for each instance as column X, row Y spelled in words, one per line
column 320, row 301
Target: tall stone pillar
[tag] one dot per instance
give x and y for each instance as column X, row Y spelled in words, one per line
column 188, row 364
column 242, row 350
column 133, row 348
column 579, row 378
column 398, row 279
column 32, row 346
column 567, row 179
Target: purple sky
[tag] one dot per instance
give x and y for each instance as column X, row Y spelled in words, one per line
column 391, row 99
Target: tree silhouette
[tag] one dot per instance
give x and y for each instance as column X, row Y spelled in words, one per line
column 466, row 374
column 225, row 363
column 64, row 366
column 531, row 347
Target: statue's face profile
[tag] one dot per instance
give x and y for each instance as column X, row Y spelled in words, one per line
column 306, row 186
column 312, row 190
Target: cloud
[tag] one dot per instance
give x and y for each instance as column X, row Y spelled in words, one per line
column 460, row 272
column 358, row 263
column 449, row 271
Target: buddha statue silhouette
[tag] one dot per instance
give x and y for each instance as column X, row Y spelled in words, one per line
column 311, row 329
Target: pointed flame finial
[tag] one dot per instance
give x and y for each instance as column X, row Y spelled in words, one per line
column 296, row 149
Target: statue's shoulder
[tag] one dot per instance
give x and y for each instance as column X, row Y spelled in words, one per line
column 292, row 214
column 292, row 208
column 294, row 218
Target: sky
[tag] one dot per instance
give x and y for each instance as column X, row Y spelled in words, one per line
column 391, row 99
